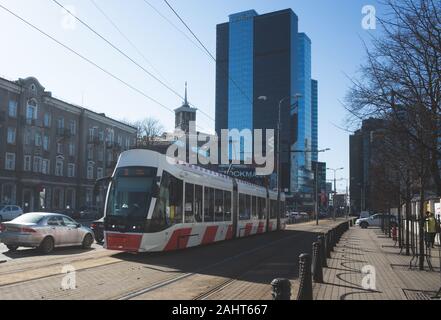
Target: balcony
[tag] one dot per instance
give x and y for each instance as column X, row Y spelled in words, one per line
column 64, row 133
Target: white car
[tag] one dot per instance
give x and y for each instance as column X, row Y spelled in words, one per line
column 10, row 212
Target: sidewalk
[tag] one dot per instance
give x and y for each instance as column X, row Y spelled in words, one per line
column 394, row 280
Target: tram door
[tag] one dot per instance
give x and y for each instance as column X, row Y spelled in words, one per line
column 235, row 208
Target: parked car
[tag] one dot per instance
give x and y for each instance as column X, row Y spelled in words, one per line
column 98, row 229
column 375, row 220
column 45, row 231
column 10, row 212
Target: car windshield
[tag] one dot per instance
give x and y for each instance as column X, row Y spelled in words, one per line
column 28, row 218
column 131, row 192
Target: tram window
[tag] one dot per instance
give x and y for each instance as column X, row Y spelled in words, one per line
column 227, row 205
column 208, row 204
column 219, row 205
column 248, row 207
column 254, row 207
column 189, row 203
column 263, row 208
column 273, row 209
column 259, row 208
column 198, row 203
column 242, row 213
column 168, row 209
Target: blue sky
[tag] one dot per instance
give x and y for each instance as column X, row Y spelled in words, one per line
column 333, row 26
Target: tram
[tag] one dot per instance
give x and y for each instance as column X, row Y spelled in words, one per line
column 155, row 203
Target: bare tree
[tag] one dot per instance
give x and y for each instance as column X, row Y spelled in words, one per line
column 148, row 130
column 401, row 82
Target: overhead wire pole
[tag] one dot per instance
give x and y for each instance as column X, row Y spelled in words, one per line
column 124, row 54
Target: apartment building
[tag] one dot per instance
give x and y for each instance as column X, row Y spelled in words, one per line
column 51, row 151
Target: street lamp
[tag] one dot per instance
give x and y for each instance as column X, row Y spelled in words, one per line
column 335, row 186
column 316, row 205
column 279, row 185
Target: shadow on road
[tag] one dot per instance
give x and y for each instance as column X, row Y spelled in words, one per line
column 258, row 259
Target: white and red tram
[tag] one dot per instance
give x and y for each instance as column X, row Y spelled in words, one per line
column 156, row 203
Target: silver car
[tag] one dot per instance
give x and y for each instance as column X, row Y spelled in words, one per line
column 45, row 231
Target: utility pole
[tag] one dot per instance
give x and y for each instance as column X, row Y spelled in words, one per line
column 335, row 188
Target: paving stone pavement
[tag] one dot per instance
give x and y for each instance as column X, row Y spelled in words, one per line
column 369, row 248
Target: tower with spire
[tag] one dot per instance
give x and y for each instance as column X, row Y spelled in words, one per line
column 184, row 114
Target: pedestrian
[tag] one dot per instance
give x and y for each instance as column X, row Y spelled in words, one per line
column 430, row 229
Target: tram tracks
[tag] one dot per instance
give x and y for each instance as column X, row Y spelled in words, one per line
column 220, row 285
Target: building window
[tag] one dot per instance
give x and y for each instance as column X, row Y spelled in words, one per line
column 59, row 148
column 90, row 171
column 8, row 194
column 27, row 163
column 38, row 141
column 10, row 161
column 46, row 142
column 59, row 168
column 99, row 173
column 90, row 152
column 11, row 136
column 27, row 138
column 37, row 164
column 12, row 109
column 101, row 136
column 73, row 127
column 45, row 166
column 47, row 120
column 31, row 111
column 120, row 143
column 60, row 123
column 58, row 199
column 100, row 155
column 71, row 170
column 71, row 149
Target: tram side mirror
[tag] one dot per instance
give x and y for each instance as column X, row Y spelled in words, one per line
column 155, row 191
column 103, row 182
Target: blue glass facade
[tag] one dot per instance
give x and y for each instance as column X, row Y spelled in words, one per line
column 314, row 119
column 240, row 86
column 301, row 173
column 264, row 55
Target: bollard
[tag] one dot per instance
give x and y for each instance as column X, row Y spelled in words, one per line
column 328, row 244
column 281, row 289
column 317, row 270
column 332, row 240
column 305, row 289
column 322, row 241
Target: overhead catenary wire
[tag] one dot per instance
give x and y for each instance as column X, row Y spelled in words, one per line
column 131, row 43
column 125, row 55
column 139, row 91
column 205, row 48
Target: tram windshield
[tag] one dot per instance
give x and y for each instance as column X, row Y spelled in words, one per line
column 131, row 192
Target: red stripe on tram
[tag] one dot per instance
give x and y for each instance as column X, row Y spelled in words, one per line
column 229, row 232
column 178, row 240
column 210, row 235
column 248, row 229
column 260, row 228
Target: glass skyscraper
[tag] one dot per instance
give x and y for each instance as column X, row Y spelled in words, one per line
column 265, row 55
column 314, row 119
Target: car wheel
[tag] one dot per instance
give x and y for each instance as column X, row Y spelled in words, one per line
column 47, row 245
column 364, row 225
column 87, row 241
column 12, row 248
